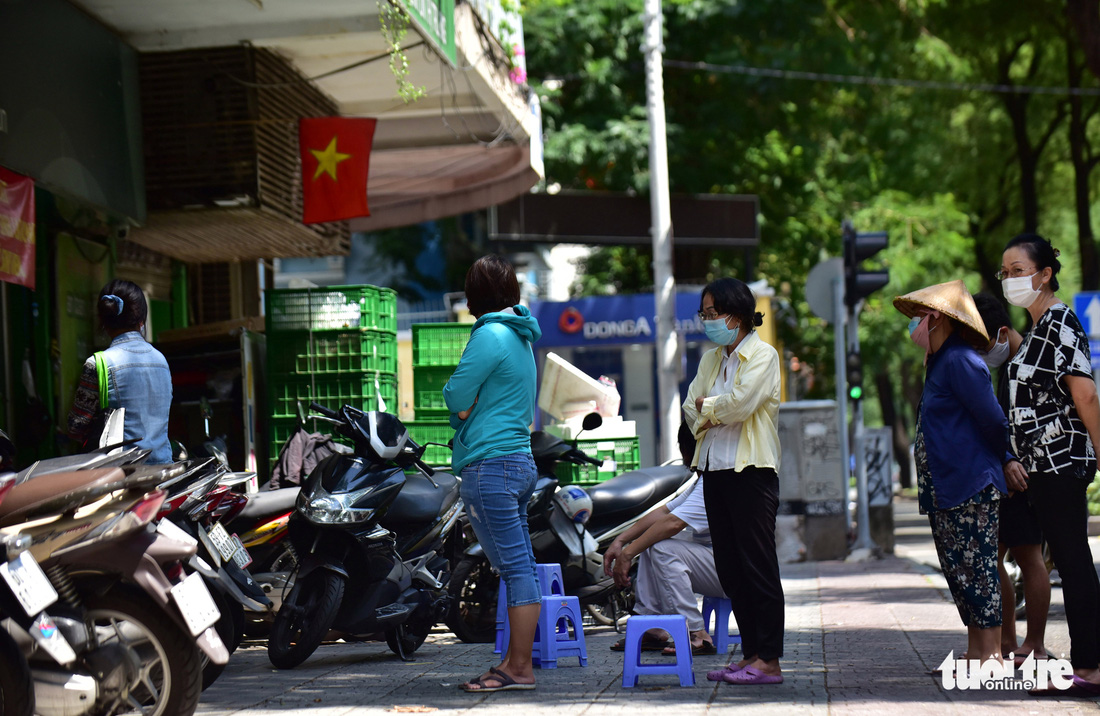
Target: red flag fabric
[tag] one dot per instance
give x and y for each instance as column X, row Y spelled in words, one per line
column 335, row 163
column 16, row 228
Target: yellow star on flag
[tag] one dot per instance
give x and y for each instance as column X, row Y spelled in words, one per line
column 328, row 159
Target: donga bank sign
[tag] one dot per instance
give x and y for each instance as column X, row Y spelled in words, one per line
column 611, row 320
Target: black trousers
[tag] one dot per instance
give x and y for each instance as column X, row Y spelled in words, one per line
column 741, row 509
column 1062, row 509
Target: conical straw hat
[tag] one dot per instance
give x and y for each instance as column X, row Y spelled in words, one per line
column 953, row 300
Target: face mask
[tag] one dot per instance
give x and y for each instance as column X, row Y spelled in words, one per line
column 919, row 333
column 997, row 355
column 1018, row 291
column 719, row 333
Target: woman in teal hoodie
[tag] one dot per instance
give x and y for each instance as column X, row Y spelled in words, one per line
column 491, row 396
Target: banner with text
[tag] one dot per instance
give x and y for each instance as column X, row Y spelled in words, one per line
column 16, row 228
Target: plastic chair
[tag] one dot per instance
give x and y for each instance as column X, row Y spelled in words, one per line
column 721, row 608
column 550, row 584
column 676, row 626
column 551, row 641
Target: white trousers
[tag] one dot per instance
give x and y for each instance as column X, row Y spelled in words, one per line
column 670, row 574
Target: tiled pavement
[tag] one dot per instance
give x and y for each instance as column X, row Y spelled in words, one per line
column 861, row 638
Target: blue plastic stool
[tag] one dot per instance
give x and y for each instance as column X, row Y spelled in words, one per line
column 550, row 580
column 550, row 584
column 552, row 642
column 502, row 617
column 676, row 626
column 721, row 608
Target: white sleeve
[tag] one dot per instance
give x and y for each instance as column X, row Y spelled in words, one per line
column 690, row 507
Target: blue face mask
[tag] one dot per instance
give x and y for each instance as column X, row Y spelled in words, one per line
column 913, row 323
column 719, row 333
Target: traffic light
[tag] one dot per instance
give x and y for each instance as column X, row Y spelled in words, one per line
column 854, row 365
column 859, row 284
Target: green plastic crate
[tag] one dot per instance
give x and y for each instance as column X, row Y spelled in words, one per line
column 436, row 431
column 360, row 390
column 439, row 344
column 619, row 455
column 428, row 385
column 331, row 307
column 352, row 351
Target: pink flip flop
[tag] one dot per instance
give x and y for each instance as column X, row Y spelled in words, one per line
column 749, row 675
column 718, row 675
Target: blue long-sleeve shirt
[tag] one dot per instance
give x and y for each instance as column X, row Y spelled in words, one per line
column 498, row 370
column 965, row 430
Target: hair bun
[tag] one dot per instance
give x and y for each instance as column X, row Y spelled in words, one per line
column 758, row 319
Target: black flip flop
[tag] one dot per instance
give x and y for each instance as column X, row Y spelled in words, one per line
column 507, row 683
column 647, row 644
column 707, row 648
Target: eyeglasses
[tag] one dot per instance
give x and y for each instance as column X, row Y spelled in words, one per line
column 710, row 316
column 1015, row 272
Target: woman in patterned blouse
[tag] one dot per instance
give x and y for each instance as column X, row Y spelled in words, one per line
column 1055, row 425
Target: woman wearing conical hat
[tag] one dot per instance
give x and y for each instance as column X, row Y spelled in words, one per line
column 962, row 453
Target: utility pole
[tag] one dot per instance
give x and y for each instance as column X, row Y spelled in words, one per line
column 664, row 285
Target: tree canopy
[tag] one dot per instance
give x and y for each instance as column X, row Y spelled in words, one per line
column 941, row 140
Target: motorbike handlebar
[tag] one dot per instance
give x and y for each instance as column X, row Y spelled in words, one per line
column 331, row 414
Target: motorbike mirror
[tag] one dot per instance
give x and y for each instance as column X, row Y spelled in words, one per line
column 592, row 421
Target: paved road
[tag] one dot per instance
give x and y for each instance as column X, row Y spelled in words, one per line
column 861, row 638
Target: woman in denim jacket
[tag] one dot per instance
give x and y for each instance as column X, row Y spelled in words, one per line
column 129, row 374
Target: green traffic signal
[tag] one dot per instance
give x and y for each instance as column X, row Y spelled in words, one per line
column 855, row 392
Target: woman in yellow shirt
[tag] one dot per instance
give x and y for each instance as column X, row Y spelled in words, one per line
column 733, row 410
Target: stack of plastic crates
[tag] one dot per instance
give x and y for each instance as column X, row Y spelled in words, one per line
column 335, row 345
column 436, row 350
column 618, row 454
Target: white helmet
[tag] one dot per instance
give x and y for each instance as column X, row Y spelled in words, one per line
column 575, row 503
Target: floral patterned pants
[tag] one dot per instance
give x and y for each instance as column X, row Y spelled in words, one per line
column 966, row 542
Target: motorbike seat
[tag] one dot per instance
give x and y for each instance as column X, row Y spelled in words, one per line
column 62, row 492
column 265, row 504
column 634, row 492
column 420, row 502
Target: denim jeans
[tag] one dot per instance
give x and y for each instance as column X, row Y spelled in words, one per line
column 496, row 491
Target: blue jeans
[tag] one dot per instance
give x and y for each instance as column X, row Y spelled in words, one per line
column 496, row 491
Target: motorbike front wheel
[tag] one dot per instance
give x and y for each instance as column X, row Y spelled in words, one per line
column 168, row 678
column 473, row 589
column 304, row 618
column 16, row 690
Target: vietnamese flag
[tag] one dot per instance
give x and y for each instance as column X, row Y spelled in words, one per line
column 16, row 228
column 335, row 161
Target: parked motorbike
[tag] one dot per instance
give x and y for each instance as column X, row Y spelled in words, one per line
column 556, row 536
column 16, row 690
column 197, row 507
column 136, row 633
column 371, row 543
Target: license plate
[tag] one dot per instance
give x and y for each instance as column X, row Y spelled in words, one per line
column 229, row 546
column 195, row 603
column 29, row 583
column 241, row 555
column 173, row 531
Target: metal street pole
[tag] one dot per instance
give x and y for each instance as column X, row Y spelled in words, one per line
column 664, row 285
column 840, row 341
column 863, row 511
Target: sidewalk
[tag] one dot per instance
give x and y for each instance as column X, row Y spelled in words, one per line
column 861, row 638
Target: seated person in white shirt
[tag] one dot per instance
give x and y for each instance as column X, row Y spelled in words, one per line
column 676, row 561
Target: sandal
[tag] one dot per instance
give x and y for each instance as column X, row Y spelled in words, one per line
column 507, row 683
column 707, row 648
column 648, row 643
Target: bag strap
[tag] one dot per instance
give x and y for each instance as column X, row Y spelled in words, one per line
column 101, row 373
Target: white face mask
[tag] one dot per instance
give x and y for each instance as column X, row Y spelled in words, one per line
column 1018, row 291
column 997, row 355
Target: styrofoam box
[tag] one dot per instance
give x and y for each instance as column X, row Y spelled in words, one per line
column 567, row 391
